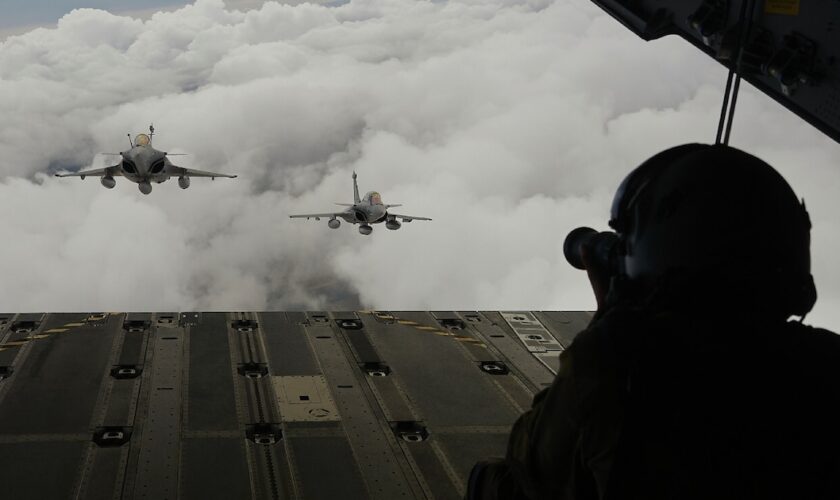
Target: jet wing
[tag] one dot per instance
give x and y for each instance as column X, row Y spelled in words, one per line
column 98, row 172
column 189, row 172
column 408, row 218
column 316, row 216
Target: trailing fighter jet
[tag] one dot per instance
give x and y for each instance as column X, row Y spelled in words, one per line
column 144, row 164
column 365, row 211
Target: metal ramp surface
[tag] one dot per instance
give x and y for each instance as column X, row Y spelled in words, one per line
column 267, row 405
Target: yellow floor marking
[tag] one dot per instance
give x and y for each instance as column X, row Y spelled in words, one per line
column 15, row 343
column 57, row 330
column 406, row 322
column 39, row 336
column 427, row 328
column 445, row 334
column 74, row 325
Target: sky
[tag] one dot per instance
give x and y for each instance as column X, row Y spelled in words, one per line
column 510, row 122
column 29, row 12
column 20, row 16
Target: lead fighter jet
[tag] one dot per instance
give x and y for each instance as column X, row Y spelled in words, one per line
column 365, row 211
column 144, row 164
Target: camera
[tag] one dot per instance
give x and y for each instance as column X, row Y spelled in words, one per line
column 601, row 247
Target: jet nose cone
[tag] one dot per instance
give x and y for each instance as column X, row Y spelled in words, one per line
column 136, row 155
column 143, row 160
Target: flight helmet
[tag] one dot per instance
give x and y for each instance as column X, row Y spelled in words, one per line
column 714, row 223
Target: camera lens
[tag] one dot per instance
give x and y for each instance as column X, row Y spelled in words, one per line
column 574, row 243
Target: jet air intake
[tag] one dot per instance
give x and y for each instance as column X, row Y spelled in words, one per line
column 365, row 229
column 129, row 166
column 145, row 187
column 393, row 224
column 108, row 181
column 184, row 182
column 360, row 215
column 158, row 166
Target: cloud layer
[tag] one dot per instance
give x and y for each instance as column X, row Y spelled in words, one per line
column 508, row 122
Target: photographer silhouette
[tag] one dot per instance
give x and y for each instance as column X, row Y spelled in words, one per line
column 691, row 382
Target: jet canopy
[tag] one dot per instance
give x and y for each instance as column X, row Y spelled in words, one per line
column 374, row 198
column 142, row 140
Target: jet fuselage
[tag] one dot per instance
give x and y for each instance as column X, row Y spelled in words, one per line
column 365, row 212
column 144, row 164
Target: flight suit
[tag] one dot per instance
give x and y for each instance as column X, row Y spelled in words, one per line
column 688, row 405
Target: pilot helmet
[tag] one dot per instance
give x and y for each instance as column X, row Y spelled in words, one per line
column 715, row 224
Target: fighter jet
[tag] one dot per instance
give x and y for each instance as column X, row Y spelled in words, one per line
column 365, row 211
column 144, row 164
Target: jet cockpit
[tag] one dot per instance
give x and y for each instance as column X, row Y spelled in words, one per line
column 142, row 140
column 373, row 198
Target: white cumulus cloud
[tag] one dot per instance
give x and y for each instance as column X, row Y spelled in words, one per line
column 508, row 122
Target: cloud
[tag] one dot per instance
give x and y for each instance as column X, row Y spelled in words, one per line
column 508, row 122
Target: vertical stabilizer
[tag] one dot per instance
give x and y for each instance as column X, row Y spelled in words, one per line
column 356, row 198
